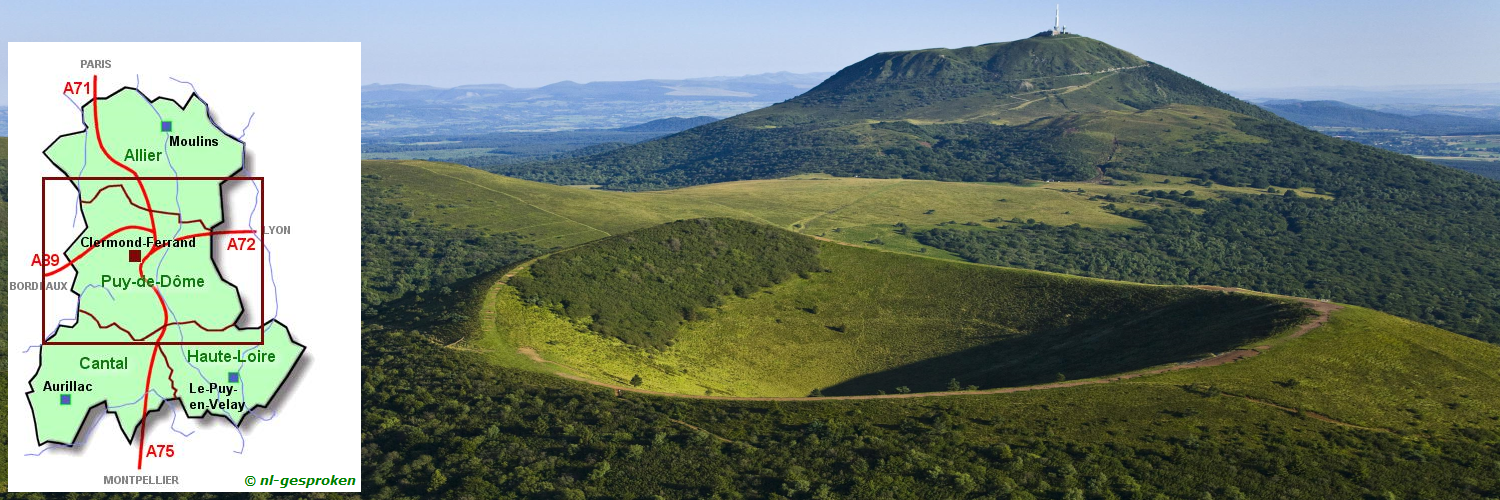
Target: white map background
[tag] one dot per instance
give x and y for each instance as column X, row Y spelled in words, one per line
column 304, row 138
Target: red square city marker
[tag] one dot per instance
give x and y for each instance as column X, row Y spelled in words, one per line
column 135, row 255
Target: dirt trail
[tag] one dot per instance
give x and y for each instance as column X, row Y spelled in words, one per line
column 804, row 222
column 508, row 195
column 1309, row 414
column 1323, row 309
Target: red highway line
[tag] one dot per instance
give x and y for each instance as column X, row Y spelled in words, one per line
column 166, row 318
column 141, row 268
column 99, row 136
column 146, row 396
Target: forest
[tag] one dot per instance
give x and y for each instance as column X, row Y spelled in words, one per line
column 1402, row 236
column 441, row 423
column 641, row 286
column 720, row 152
column 403, row 254
column 1298, row 247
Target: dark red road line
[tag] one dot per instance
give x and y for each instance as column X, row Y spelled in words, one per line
column 206, row 342
column 142, row 339
column 128, row 199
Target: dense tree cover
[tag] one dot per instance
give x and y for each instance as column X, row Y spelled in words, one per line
column 974, row 152
column 442, row 423
column 1424, row 267
column 641, row 286
column 402, row 254
column 1403, row 236
column 669, row 125
column 4, row 167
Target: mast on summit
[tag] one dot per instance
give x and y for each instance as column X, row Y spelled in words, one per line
column 1057, row 26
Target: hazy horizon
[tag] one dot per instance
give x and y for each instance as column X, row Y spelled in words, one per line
column 366, row 84
column 1228, row 46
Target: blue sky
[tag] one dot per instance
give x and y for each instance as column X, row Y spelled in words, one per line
column 1230, row 45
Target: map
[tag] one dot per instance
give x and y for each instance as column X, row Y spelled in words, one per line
column 149, row 290
column 184, row 253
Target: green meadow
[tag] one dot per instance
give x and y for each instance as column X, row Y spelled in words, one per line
column 852, row 210
column 879, row 321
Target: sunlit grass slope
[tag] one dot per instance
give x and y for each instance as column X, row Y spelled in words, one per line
column 851, row 210
column 877, row 321
column 1375, row 370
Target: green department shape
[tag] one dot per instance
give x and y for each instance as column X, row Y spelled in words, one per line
column 116, row 299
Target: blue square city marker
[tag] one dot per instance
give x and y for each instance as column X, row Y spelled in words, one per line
column 234, row 377
column 65, row 399
column 166, row 126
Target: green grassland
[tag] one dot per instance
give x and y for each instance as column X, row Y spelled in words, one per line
column 1363, row 368
column 878, row 320
column 1374, row 370
column 1397, row 396
column 845, row 209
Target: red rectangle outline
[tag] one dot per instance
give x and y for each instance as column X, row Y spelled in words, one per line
column 261, row 234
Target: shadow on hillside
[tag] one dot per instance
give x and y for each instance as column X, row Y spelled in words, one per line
column 446, row 314
column 1183, row 330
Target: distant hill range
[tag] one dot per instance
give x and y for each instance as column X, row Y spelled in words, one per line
column 1478, row 100
column 669, row 125
column 1339, row 114
column 1476, row 94
column 4, row 122
column 418, row 110
column 764, row 87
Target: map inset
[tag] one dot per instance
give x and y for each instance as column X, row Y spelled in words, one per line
column 156, row 319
